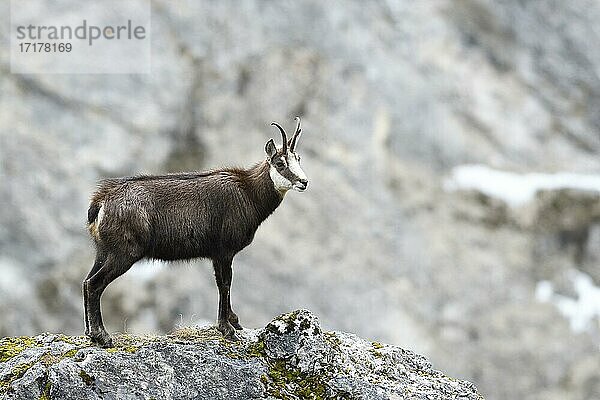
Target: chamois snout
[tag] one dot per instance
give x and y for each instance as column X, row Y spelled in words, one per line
column 301, row 185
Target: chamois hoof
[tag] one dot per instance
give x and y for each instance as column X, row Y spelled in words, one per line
column 227, row 331
column 234, row 321
column 236, row 325
column 102, row 339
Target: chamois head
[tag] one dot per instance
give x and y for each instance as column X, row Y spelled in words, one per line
column 284, row 163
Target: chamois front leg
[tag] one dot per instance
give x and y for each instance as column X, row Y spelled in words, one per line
column 223, row 277
column 233, row 318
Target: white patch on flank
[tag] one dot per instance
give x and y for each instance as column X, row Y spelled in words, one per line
column 93, row 227
column 516, row 189
column 580, row 311
column 295, row 168
column 279, row 181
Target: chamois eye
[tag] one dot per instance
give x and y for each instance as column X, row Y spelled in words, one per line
column 279, row 164
column 298, row 157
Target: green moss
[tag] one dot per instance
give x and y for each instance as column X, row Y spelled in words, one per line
column 46, row 393
column 377, row 345
column 20, row 369
column 49, row 359
column 131, row 349
column 127, row 349
column 86, row 378
column 74, row 340
column 16, row 373
column 375, row 350
column 256, row 349
column 13, row 346
column 240, row 351
column 71, row 353
column 288, row 319
column 226, row 342
column 332, row 339
column 291, row 382
column 285, row 382
column 127, row 344
column 191, row 334
column 288, row 382
column 377, row 354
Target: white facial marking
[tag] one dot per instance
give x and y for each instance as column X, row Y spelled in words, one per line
column 295, row 168
column 279, row 181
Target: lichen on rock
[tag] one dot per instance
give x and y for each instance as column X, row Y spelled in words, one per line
column 291, row 358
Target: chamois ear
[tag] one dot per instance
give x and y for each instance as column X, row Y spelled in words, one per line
column 270, row 148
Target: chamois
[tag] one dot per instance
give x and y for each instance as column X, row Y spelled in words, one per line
column 182, row 216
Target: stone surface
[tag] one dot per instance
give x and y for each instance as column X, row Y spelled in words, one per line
column 291, row 358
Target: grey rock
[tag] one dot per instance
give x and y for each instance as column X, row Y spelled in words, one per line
column 291, row 358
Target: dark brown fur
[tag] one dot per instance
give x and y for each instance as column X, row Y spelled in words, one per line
column 212, row 215
column 183, row 216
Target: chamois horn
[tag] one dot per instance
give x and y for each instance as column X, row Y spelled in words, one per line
column 283, row 136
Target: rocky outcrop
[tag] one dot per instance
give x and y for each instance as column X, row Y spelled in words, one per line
column 291, row 358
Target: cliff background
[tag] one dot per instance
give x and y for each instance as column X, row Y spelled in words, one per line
column 399, row 238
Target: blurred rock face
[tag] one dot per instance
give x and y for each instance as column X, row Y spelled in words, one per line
column 393, row 96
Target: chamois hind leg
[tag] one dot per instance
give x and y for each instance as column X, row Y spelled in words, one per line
column 223, row 277
column 100, row 259
column 114, row 266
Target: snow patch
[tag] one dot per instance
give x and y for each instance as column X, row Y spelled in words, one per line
column 579, row 311
column 513, row 188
